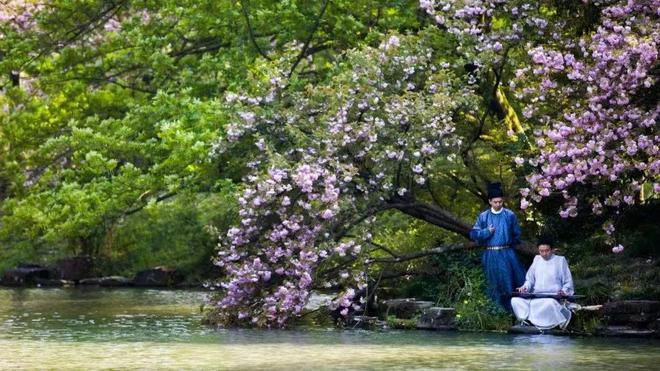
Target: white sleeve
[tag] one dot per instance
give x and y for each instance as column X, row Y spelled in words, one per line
column 530, row 278
column 567, row 278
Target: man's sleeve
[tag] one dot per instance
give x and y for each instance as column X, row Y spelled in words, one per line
column 567, row 278
column 515, row 229
column 479, row 231
column 530, row 277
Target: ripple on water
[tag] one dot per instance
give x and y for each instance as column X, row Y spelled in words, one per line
column 133, row 328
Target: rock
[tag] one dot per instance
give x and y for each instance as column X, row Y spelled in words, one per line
column 625, row 331
column 110, row 281
column 631, row 306
column 437, row 318
column 317, row 300
column 630, row 318
column 115, row 281
column 639, row 314
column 74, row 268
column 90, row 281
column 405, row 308
column 25, row 274
column 158, row 277
column 365, row 322
column 53, row 283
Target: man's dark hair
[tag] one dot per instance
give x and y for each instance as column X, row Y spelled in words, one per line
column 495, row 190
column 545, row 239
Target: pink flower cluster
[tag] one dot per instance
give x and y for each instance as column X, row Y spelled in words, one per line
column 472, row 21
column 601, row 130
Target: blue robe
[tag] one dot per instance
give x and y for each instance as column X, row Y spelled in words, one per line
column 502, row 268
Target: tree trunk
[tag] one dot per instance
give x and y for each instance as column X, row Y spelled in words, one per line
column 434, row 215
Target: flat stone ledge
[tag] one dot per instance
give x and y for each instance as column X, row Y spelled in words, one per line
column 405, row 308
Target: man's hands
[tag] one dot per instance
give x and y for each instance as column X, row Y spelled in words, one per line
column 562, row 293
column 522, row 289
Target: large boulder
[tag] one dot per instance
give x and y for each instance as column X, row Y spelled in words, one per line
column 74, row 268
column 158, row 277
column 437, row 318
column 25, row 274
column 404, row 308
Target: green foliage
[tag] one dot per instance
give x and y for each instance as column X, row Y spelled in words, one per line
column 401, row 323
column 146, row 240
column 119, row 104
column 463, row 286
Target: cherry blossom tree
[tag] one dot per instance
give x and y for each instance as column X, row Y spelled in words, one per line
column 330, row 160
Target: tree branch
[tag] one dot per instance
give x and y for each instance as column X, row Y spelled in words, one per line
column 309, row 38
column 158, row 199
column 433, row 215
column 498, row 79
column 251, row 31
column 420, row 254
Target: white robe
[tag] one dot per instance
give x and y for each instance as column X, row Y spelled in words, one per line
column 545, row 277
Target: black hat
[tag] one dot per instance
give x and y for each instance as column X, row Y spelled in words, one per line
column 495, row 190
column 545, row 239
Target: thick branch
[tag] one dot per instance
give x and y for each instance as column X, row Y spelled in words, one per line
column 303, row 52
column 158, row 199
column 433, row 215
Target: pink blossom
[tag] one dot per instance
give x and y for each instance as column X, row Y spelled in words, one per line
column 617, row 249
column 327, row 214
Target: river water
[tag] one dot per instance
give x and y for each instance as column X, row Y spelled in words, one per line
column 160, row 329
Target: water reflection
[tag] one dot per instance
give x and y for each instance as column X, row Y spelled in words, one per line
column 131, row 328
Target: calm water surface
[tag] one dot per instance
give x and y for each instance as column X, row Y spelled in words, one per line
column 158, row 329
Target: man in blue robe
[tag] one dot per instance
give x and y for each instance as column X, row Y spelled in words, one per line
column 498, row 230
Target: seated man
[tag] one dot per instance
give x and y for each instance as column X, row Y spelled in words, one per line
column 549, row 274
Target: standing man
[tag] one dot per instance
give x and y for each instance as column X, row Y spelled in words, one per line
column 498, row 230
column 549, row 274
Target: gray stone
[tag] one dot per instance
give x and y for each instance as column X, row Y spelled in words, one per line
column 405, row 308
column 365, row 322
column 54, row 283
column 90, row 281
column 110, row 281
column 625, row 331
column 437, row 318
column 158, row 277
column 631, row 307
column 115, row 281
